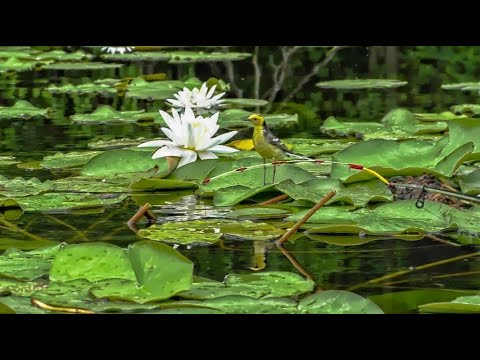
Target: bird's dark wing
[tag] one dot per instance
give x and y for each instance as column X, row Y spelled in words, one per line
column 272, row 139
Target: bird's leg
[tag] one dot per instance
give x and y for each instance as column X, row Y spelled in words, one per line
column 274, row 171
column 264, row 172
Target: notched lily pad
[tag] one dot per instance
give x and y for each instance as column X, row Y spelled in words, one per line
column 187, row 57
column 81, row 89
column 62, row 202
column 107, row 115
column 81, row 66
column 68, row 160
column 20, row 187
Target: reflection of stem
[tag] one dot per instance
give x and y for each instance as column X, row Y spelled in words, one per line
column 433, row 237
column 403, row 272
column 275, row 199
column 15, row 228
column 260, row 249
column 71, row 227
column 307, row 216
column 295, row 262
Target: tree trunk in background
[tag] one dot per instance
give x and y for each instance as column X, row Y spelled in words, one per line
column 391, row 61
column 372, row 60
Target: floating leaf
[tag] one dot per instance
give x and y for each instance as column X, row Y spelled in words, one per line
column 31, row 265
column 464, row 86
column 16, row 65
column 360, row 239
column 6, row 243
column 59, row 202
column 19, row 187
column 81, row 66
column 60, row 55
column 92, row 262
column 316, row 147
column 72, row 159
column 160, row 270
column 187, row 57
column 122, row 161
column 89, row 88
column 355, row 84
column 238, row 304
column 461, row 132
column 358, row 194
column 8, row 160
column 261, row 212
column 80, row 184
column 337, row 302
column 198, row 170
column 20, row 305
column 138, row 56
column 106, row 115
column 407, row 302
column 153, row 90
column 238, row 119
column 470, row 110
column 392, row 158
column 391, row 218
column 470, row 183
column 23, row 110
column 115, row 143
column 443, row 116
column 242, row 102
column 13, row 287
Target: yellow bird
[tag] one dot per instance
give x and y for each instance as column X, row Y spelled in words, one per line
column 267, row 144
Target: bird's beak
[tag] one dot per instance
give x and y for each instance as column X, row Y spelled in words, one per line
column 251, row 117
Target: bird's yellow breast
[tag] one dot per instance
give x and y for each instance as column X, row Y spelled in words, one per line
column 264, row 147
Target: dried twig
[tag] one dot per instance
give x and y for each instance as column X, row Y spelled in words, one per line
column 295, row 263
column 307, row 216
column 143, row 211
column 60, row 308
column 314, row 71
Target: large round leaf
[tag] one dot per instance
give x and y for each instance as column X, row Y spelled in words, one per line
column 93, row 262
column 337, row 302
column 355, row 84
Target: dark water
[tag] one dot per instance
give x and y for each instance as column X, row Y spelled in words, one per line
column 332, row 267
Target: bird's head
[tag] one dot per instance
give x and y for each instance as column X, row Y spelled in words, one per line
column 256, row 119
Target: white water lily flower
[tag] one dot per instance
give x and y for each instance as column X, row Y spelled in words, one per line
column 196, row 98
column 119, row 49
column 190, row 137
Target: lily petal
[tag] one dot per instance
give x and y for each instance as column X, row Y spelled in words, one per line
column 218, row 140
column 187, row 157
column 168, row 151
column 222, row 149
column 156, row 143
column 207, row 155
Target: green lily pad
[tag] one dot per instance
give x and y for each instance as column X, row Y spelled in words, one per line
column 358, row 194
column 16, row 65
column 81, row 66
column 392, row 158
column 208, row 231
column 149, row 184
column 160, row 270
column 464, row 304
column 461, row 132
column 153, row 90
column 60, row 55
column 107, row 115
column 89, row 88
column 337, row 302
column 260, row 212
column 93, row 262
column 22, row 54
column 23, row 110
column 14, row 287
column 5, row 309
column 391, row 218
column 116, row 143
column 60, row 202
column 20, row 305
column 122, row 161
column 355, row 84
column 245, row 102
column 80, row 184
column 6, row 243
column 139, row 56
column 19, row 187
column 68, row 160
column 334, row 127
column 258, row 285
column 187, row 310
column 407, row 302
column 464, row 86
column 238, row 304
column 470, row 110
column 470, row 183
column 316, row 147
column 8, row 160
column 187, row 57
column 360, row 239
column 196, row 171
column 443, row 116
column 19, row 265
column 77, row 294
column 237, row 119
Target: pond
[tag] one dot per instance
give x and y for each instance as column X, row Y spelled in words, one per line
column 72, row 176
